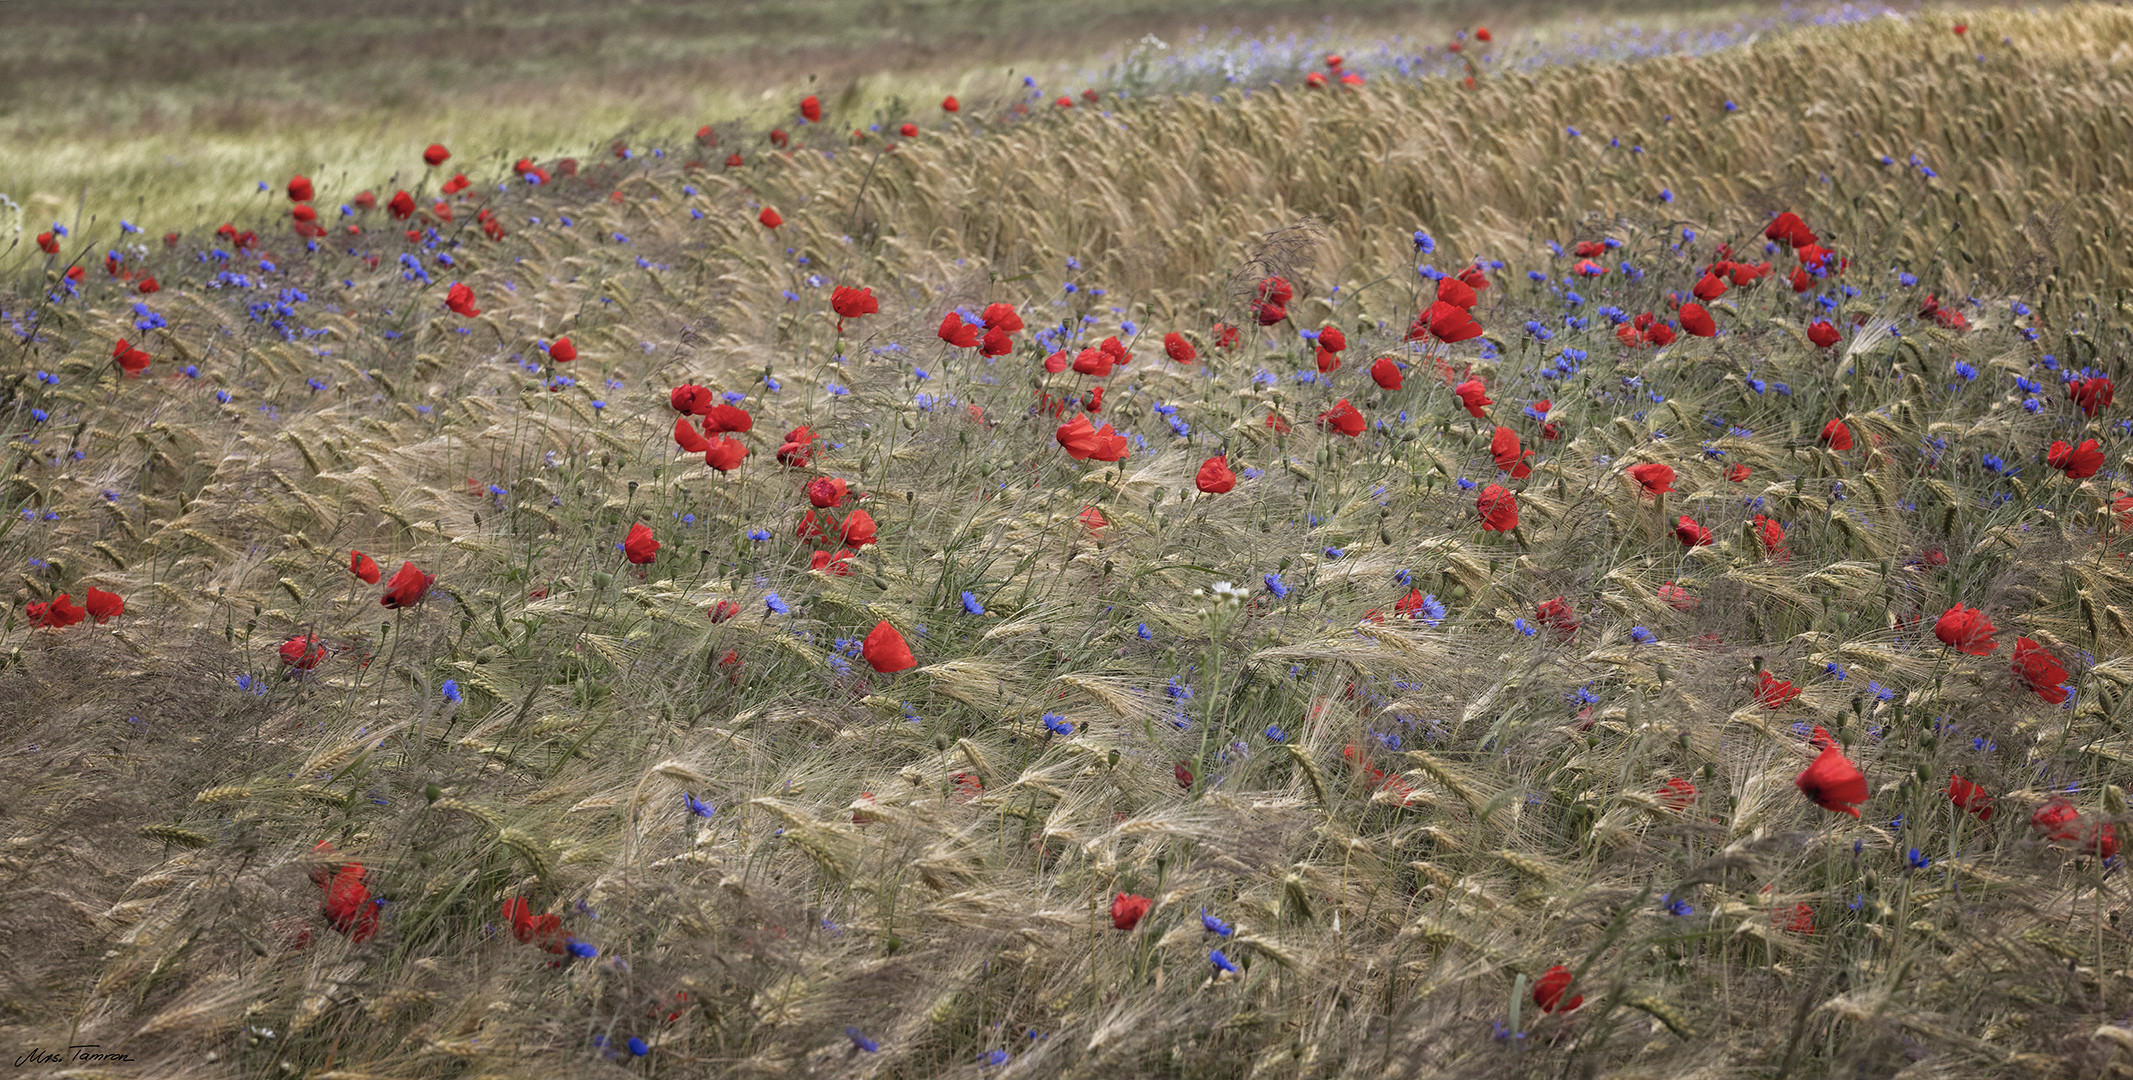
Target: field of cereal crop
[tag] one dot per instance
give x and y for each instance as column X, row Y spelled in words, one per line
column 1305, row 552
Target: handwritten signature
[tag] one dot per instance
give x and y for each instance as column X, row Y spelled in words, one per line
column 79, row 1052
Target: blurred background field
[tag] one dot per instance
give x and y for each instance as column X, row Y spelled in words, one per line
column 1375, row 792
column 175, row 111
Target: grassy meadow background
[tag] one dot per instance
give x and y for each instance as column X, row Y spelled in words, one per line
column 1319, row 721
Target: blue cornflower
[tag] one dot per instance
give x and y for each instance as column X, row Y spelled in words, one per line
column 1642, row 636
column 450, row 689
column 861, row 1041
column 775, row 604
column 1057, row 724
column 697, row 806
column 1431, row 612
column 759, row 535
column 1879, row 691
column 1142, row 632
column 971, row 605
column 1276, row 734
column 1917, row 859
column 1214, row 925
column 993, row 1058
column 637, row 1047
column 1216, row 958
column 1334, row 553
column 583, row 951
column 1274, row 585
column 1677, row 908
column 1424, row 243
column 1833, row 669
column 1523, row 627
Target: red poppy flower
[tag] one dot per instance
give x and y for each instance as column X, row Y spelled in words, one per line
column 48, row 242
column 102, row 605
column 858, row 529
column 956, row 332
column 1690, row 533
column 1474, row 396
column 1676, row 597
column 837, row 565
column 1509, row 457
column 1127, row 910
column 1448, row 323
column 1550, row 988
column 1215, row 476
column 811, row 109
column 1771, row 534
column 348, row 906
column 1327, row 361
column 2058, row 820
column 1093, row 401
column 299, row 188
column 725, row 454
column 691, row 398
column 1278, row 423
column 908, row 131
column 2033, row 668
column 1078, row 437
column 1654, row 478
column 950, row 104
column 1836, row 436
column 1970, row 797
column 1459, row 294
column 1342, row 418
column 1498, row 509
column 996, row 342
column 2077, row 462
column 688, row 438
column 1946, row 316
column 2092, row 394
column 436, row 155
column 1772, row 692
column 1966, row 630
column 1677, row 794
column 456, row 185
column 1179, row 349
column 1823, row 334
column 1789, row 230
column 851, row 303
column 1110, row 445
column 1385, row 371
column 734, row 161
column 826, row 492
column 1744, row 274
column 798, row 448
column 1225, row 336
column 402, row 205
column 148, row 285
column 1000, row 315
column 723, row 417
column 302, row 652
column 1832, row 782
column 1697, row 321
column 1659, row 334
column 407, row 588
column 132, row 359
column 460, row 299
column 885, row 650
column 640, row 546
column 56, row 615
column 1738, row 473
column 1556, row 615
column 363, row 567
column 1331, row 339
